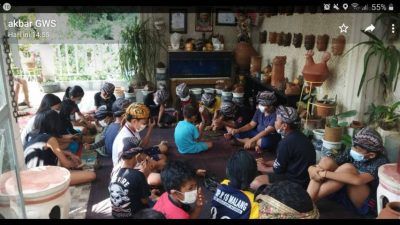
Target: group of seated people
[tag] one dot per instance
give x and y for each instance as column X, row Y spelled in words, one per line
column 288, row 186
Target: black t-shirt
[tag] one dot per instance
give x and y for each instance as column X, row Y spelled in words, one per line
column 36, row 152
column 127, row 188
column 67, row 114
column 295, row 153
column 179, row 104
column 149, row 102
column 99, row 101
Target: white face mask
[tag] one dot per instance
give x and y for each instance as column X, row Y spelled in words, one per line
column 103, row 123
column 356, row 156
column 142, row 127
column 190, row 197
column 261, row 108
column 185, row 99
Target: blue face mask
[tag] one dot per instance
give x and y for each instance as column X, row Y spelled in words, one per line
column 356, row 156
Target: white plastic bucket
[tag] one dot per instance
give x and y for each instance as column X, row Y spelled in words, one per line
column 331, row 145
column 238, row 95
column 318, row 134
column 209, row 90
column 196, row 91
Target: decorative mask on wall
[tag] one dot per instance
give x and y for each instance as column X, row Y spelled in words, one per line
column 309, row 41
column 322, row 42
column 338, row 45
column 287, row 39
column 263, row 37
column 297, row 39
column 280, row 38
column 273, row 36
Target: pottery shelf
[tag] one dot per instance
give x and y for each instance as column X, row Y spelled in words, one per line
column 310, row 104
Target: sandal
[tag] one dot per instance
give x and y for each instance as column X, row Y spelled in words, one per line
column 22, row 113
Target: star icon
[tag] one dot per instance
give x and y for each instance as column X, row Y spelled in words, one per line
column 343, row 28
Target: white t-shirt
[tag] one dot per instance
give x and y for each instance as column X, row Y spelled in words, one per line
column 27, row 129
column 118, row 144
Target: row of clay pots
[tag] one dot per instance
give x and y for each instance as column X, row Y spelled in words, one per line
column 283, row 39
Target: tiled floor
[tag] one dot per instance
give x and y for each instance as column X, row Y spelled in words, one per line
column 79, row 200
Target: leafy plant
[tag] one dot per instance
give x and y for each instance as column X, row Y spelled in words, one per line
column 388, row 60
column 333, row 121
column 139, row 51
column 326, row 100
column 347, row 140
column 384, row 115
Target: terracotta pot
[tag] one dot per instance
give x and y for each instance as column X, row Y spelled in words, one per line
column 287, row 38
column 243, row 53
column 309, row 41
column 255, row 64
column 324, row 110
column 280, row 38
column 273, row 37
column 297, row 39
column 263, row 37
column 333, row 134
column 356, row 124
column 338, row 45
column 278, row 72
column 322, row 42
column 292, row 89
column 313, row 72
column 391, row 211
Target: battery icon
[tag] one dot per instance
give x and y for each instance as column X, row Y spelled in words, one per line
column 390, row 7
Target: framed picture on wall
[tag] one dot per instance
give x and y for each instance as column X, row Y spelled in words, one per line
column 225, row 17
column 204, row 22
column 178, row 21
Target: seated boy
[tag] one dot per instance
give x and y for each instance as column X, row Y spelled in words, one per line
column 209, row 105
column 260, row 133
column 230, row 117
column 187, row 135
column 182, row 192
column 286, row 200
column 184, row 97
column 352, row 177
column 129, row 191
column 105, row 96
column 156, row 102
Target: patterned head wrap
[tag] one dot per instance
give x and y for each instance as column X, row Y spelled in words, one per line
column 119, row 106
column 108, row 88
column 228, row 109
column 288, row 114
column 130, row 142
column 270, row 208
column 161, row 95
column 208, row 99
column 102, row 112
column 182, row 90
column 368, row 139
column 266, row 98
column 138, row 111
column 238, row 101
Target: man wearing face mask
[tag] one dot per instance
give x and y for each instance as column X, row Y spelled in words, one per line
column 295, row 153
column 137, row 118
column 105, row 96
column 183, row 199
column 351, row 177
column 260, row 132
column 184, row 97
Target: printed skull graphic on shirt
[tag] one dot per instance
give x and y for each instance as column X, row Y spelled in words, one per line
column 119, row 196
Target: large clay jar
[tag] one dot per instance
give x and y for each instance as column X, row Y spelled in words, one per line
column 278, row 72
column 391, row 211
column 243, row 53
column 255, row 65
column 297, row 39
column 273, row 36
column 309, row 42
column 322, row 42
column 338, row 44
column 316, row 73
column 280, row 38
column 287, row 38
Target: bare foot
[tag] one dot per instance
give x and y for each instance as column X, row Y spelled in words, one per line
column 262, row 167
column 228, row 136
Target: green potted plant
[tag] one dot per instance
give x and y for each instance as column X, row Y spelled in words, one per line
column 334, row 127
column 385, row 118
column 388, row 66
column 325, row 107
column 139, row 51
